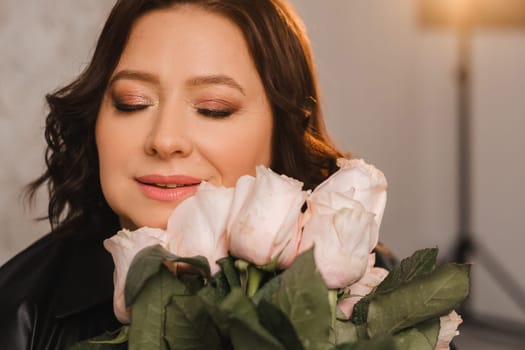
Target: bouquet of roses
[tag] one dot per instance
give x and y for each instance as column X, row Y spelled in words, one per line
column 267, row 265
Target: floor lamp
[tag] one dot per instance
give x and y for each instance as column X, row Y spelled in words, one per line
column 463, row 16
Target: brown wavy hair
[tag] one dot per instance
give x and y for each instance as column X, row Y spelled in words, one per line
column 282, row 55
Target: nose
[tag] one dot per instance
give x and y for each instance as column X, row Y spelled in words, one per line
column 168, row 136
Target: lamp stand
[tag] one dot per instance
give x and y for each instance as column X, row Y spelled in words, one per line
column 466, row 246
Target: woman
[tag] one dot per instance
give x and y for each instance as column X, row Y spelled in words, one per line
column 177, row 92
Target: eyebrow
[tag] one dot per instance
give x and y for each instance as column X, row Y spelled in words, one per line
column 135, row 75
column 215, row 80
column 192, row 82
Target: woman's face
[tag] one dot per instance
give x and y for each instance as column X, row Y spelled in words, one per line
column 185, row 104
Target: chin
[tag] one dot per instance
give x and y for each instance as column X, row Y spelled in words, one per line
column 151, row 221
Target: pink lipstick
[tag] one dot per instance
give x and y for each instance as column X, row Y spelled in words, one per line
column 168, row 188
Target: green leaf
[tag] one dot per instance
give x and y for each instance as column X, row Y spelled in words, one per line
column 343, row 332
column 267, row 291
column 211, row 296
column 119, row 337
column 189, row 326
column 227, row 265
column 87, row 345
column 148, row 262
column 193, row 283
column 241, row 320
column 243, row 337
column 381, row 343
column 211, row 299
column 276, row 322
column 255, row 278
column 422, row 298
column 420, row 263
column 220, row 285
column 412, row 339
column 303, row 297
column 429, row 330
column 242, row 267
column 362, row 332
column 216, row 291
column 360, row 312
column 108, row 341
column 148, row 316
column 422, row 336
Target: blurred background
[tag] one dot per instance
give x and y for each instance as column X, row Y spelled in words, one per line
column 391, row 74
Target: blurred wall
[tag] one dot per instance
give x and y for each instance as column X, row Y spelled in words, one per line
column 389, row 93
column 389, row 97
column 43, row 44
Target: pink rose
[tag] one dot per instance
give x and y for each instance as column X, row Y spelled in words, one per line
column 322, row 203
column 448, row 329
column 265, row 218
column 362, row 182
column 198, row 225
column 123, row 247
column 371, row 279
column 342, row 237
column 342, row 221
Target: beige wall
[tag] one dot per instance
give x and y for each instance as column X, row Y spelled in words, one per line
column 389, row 97
column 43, row 44
column 389, row 92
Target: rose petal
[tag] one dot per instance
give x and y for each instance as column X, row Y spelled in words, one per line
column 341, row 243
column 123, row 247
column 448, row 329
column 371, row 279
column 368, row 184
column 198, row 225
column 265, row 218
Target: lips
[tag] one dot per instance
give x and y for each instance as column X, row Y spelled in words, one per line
column 168, row 188
column 168, row 180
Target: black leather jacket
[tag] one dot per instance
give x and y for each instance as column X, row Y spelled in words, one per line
column 57, row 292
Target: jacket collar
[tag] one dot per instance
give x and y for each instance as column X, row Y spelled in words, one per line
column 86, row 277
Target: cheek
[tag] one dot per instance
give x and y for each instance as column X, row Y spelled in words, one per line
column 113, row 148
column 106, row 158
column 117, row 139
column 238, row 153
column 108, row 154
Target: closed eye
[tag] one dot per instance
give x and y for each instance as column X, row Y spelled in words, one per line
column 128, row 108
column 215, row 113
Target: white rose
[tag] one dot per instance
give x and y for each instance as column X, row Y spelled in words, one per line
column 342, row 244
column 265, row 218
column 198, row 225
column 371, row 279
column 322, row 203
column 123, row 247
column 342, row 238
column 362, row 182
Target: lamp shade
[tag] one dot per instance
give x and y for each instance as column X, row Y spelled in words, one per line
column 481, row 13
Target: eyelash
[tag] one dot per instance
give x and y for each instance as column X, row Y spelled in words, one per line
column 129, row 108
column 215, row 113
column 207, row 112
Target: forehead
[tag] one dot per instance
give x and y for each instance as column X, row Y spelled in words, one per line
column 186, row 37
